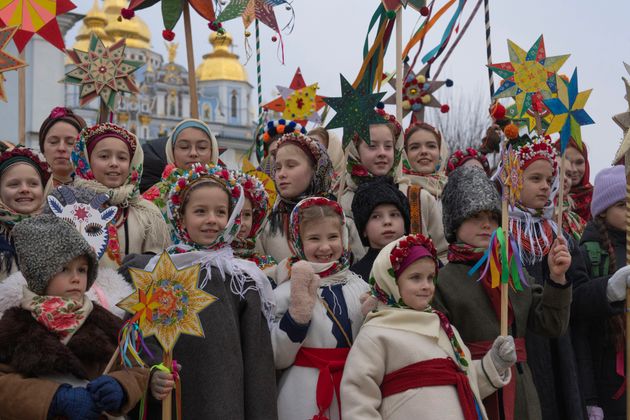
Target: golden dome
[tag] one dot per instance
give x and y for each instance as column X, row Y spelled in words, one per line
column 135, row 31
column 93, row 22
column 221, row 64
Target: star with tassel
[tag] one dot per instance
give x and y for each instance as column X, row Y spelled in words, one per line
column 298, row 102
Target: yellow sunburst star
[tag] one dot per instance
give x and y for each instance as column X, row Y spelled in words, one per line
column 527, row 74
column 167, row 301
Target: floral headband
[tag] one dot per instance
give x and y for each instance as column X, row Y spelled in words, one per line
column 26, row 155
column 460, row 157
column 532, row 149
column 310, row 146
column 255, row 191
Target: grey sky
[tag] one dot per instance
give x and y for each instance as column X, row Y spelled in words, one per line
column 328, row 39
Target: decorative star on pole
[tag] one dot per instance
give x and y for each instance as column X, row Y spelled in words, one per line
column 298, row 102
column 102, row 71
column 527, row 73
column 355, row 111
column 397, row 4
column 167, row 301
column 568, row 111
column 7, row 61
column 171, row 12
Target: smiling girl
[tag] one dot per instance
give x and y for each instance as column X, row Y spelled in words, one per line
column 318, row 312
column 426, row 155
column 578, row 169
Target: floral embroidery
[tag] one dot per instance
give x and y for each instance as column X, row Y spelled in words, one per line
column 62, row 316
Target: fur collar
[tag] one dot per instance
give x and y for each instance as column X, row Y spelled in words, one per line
column 32, row 350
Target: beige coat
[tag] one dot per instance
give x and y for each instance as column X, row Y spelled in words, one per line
column 379, row 350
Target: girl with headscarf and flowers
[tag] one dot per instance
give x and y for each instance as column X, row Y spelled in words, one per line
column 408, row 361
column 318, row 312
column 108, row 159
column 232, row 367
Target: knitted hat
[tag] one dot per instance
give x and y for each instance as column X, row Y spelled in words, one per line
column 370, row 194
column 56, row 115
column 467, row 192
column 44, row 245
column 610, row 188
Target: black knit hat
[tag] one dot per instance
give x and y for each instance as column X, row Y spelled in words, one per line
column 370, row 194
column 468, row 191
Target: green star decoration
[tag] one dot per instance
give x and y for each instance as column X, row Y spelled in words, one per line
column 355, row 111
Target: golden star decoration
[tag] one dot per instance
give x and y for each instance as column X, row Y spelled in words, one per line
column 167, row 301
column 102, row 71
column 7, row 61
column 511, row 177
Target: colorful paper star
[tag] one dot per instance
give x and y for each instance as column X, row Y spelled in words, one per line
column 102, row 71
column 527, row 73
column 167, row 302
column 35, row 17
column 528, row 118
column 7, row 61
column 418, row 93
column 511, row 176
column 568, row 111
column 355, row 111
column 171, row 12
column 298, row 102
column 251, row 10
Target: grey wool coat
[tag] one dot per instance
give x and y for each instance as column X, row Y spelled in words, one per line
column 541, row 309
column 230, row 373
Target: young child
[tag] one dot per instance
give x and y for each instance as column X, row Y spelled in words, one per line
column 318, row 312
column 381, row 214
column 408, row 361
column 426, row 156
column 229, row 373
column 268, row 142
column 108, row 159
column 467, row 157
column 472, row 211
column 55, row 346
column 23, row 176
column 572, row 224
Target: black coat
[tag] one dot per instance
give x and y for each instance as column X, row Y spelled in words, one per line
column 154, row 162
column 365, row 264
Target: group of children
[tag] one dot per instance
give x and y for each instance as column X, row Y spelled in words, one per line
column 349, row 297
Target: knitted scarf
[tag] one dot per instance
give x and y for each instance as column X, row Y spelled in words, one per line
column 534, row 231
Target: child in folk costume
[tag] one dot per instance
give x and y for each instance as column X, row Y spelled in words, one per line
column 408, row 361
column 472, row 211
column 381, row 213
column 467, row 157
column 272, row 132
column 572, row 223
column 108, row 159
column 230, row 371
column 55, row 345
column 427, row 155
column 318, row 312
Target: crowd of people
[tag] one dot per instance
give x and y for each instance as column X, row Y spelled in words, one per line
column 349, row 296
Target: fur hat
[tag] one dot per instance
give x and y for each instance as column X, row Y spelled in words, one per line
column 44, row 244
column 370, row 194
column 467, row 192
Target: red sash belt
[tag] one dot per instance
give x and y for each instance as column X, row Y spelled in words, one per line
column 478, row 350
column 434, row 372
column 330, row 363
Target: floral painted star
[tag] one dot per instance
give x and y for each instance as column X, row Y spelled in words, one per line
column 102, row 71
column 511, row 177
column 568, row 111
column 7, row 61
column 298, row 102
column 167, row 301
column 355, row 111
column 527, row 73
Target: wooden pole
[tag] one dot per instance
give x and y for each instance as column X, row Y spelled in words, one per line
column 167, row 403
column 21, row 103
column 111, row 362
column 192, row 80
column 627, row 165
column 399, row 86
column 505, row 223
column 103, row 112
column 560, row 205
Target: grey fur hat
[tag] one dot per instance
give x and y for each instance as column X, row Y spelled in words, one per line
column 467, row 192
column 44, row 244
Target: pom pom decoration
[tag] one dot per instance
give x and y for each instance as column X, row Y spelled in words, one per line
column 511, row 131
column 444, row 109
column 424, row 11
column 127, row 13
column 497, row 111
column 168, row 35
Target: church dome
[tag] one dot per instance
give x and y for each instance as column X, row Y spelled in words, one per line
column 135, row 31
column 221, row 64
column 93, row 23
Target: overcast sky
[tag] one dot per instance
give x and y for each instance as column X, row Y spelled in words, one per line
column 328, row 39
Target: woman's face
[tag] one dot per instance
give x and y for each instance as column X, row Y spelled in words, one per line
column 576, row 165
column 293, row 171
column 192, row 146
column 378, row 156
column 58, row 145
column 21, row 188
column 537, row 182
column 110, row 162
column 423, row 152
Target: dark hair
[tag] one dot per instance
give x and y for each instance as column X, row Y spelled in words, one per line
column 422, row 126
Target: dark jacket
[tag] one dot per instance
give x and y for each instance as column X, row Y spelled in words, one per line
column 541, row 309
column 230, row 373
column 364, row 265
column 154, row 162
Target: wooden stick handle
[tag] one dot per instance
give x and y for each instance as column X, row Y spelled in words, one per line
column 21, row 102
column 560, row 206
column 111, row 362
column 167, row 403
column 192, row 80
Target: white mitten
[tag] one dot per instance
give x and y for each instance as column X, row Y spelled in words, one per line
column 594, row 412
column 304, row 286
column 617, row 284
column 503, row 354
column 368, row 303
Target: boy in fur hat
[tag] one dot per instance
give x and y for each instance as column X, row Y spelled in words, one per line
column 56, row 344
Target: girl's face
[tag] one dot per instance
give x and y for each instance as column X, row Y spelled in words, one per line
column 58, row 145
column 615, row 215
column 110, row 162
column 416, row 285
column 386, row 224
column 576, row 165
column 192, row 146
column 206, row 213
column 21, row 188
column 247, row 216
column 423, row 151
column 477, row 230
column 537, row 181
column 293, row 171
column 71, row 281
column 322, row 240
column 378, row 156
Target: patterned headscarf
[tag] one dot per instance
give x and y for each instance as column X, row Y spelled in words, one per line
column 191, row 123
column 436, row 181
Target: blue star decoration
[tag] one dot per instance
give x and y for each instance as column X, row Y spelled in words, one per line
column 355, row 111
column 568, row 111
